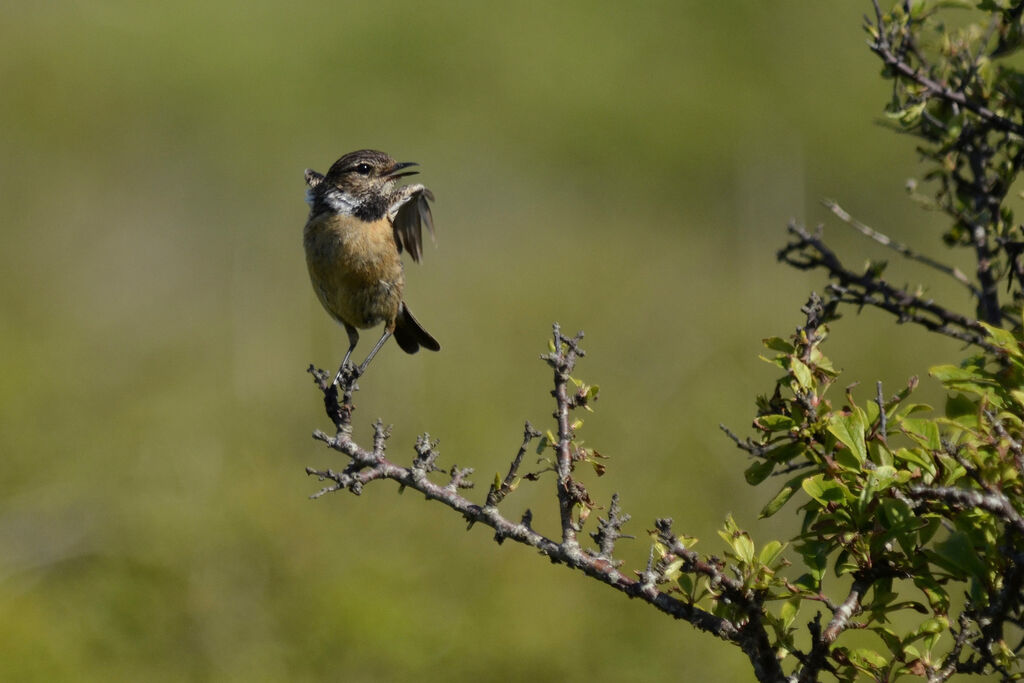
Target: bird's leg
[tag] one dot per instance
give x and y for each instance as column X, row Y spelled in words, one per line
column 353, row 339
column 373, row 352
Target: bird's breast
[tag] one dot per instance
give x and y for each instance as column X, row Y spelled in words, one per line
column 355, row 268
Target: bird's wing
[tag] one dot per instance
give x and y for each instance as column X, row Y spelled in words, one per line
column 408, row 214
column 312, row 180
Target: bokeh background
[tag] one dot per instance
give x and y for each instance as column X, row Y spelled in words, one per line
column 627, row 169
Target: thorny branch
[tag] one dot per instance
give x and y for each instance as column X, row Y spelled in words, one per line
column 563, row 360
column 609, row 531
column 368, row 465
column 809, row 251
column 993, row 501
column 900, row 248
column 509, row 483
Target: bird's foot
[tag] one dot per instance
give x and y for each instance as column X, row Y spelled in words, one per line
column 347, row 375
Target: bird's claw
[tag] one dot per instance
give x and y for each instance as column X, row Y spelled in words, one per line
column 348, row 374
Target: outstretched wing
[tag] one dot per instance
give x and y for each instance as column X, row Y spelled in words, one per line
column 408, row 214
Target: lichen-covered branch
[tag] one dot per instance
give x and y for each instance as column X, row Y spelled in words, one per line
column 652, row 585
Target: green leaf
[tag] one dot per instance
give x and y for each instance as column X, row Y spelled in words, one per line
column 879, row 453
column 971, row 379
column 786, row 452
column 958, row 405
column 801, row 372
column 955, row 373
column 807, row 582
column 867, row 659
column 1017, row 396
column 849, row 429
column 825, row 490
column 927, row 627
column 909, row 115
column 938, row 598
column 788, row 611
column 782, row 497
column 923, row 431
column 815, row 556
column 770, row 552
column 846, row 564
column 870, row 413
column 820, row 361
column 898, row 518
column 895, row 513
column 881, row 477
column 960, row 554
column 758, row 472
column 915, row 408
column 931, row 525
column 776, row 503
column 671, row 572
column 889, row 637
column 774, row 423
column 778, row 344
column 777, row 360
column 915, row 457
column 1004, row 339
column 743, row 547
column 908, row 604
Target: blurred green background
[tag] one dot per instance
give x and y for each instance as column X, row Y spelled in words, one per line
column 624, row 169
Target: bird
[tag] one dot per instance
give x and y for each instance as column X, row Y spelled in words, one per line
column 360, row 221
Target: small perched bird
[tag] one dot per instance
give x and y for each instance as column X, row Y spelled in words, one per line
column 359, row 222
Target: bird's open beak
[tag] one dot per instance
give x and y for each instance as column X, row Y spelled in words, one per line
column 393, row 172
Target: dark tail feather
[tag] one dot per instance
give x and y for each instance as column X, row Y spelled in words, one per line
column 410, row 335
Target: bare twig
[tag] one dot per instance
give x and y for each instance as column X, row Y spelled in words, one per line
column 865, row 289
column 366, row 466
column 375, row 467
column 816, row 659
column 849, row 607
column 900, row 248
column 988, row 301
column 497, row 493
column 993, row 501
column 609, row 530
column 563, row 360
column 952, row 660
column 883, row 428
column 1015, row 446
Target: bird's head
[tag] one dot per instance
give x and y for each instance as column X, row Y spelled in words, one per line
column 367, row 172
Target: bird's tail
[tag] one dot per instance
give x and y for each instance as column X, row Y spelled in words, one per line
column 410, row 335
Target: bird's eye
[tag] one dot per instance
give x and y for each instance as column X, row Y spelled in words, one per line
column 363, row 169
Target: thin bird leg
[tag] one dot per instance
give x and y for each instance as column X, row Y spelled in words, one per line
column 373, row 352
column 353, row 339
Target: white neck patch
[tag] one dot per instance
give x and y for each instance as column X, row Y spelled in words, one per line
column 336, row 201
